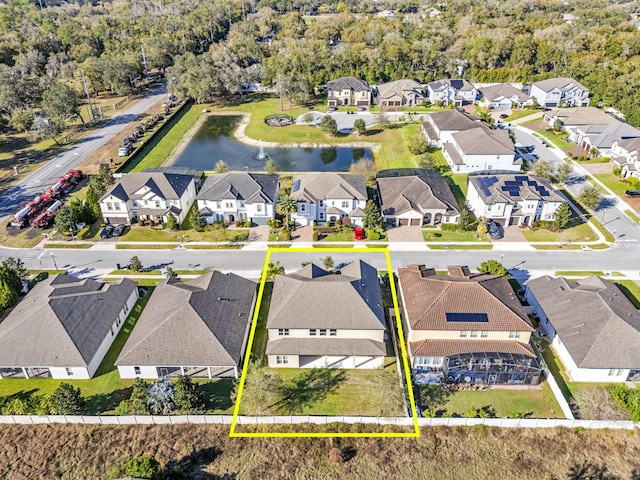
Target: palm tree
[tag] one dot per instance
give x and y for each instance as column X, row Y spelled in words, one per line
column 274, row 269
column 286, row 206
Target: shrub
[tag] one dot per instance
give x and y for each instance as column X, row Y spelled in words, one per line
column 315, row 236
column 143, row 467
column 449, row 227
column 372, row 234
column 81, row 234
column 140, row 221
column 67, row 400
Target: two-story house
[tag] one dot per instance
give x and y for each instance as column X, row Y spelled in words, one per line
column 625, row 156
column 592, row 326
column 423, row 199
column 512, row 199
column 348, row 91
column 451, row 92
column 465, row 328
column 503, row 96
column 480, row 150
column 557, row 92
column 149, row 196
column 238, row 196
column 393, row 96
column 302, row 333
column 328, row 197
column 438, row 127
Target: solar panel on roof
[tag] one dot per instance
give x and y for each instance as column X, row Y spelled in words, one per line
column 467, row 317
column 514, row 193
column 521, row 178
column 532, row 183
column 296, row 186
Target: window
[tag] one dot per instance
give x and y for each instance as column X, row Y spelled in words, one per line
column 514, row 334
column 136, row 370
column 126, row 308
column 488, row 208
column 474, row 334
column 320, row 203
column 333, row 332
column 345, row 204
column 321, row 216
column 69, row 372
column 241, row 203
column 112, row 331
column 312, row 332
column 282, row 360
column 259, row 207
column 302, row 207
column 117, row 205
column 619, row 373
column 109, row 206
column 612, row 373
column 484, row 334
column 283, row 332
column 228, row 204
column 323, row 332
column 463, row 334
column 218, row 204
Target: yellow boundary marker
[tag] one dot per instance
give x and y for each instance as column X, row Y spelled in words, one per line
column 403, row 350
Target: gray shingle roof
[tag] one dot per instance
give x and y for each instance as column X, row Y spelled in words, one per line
column 326, row 346
column 169, row 186
column 603, row 136
column 454, row 121
column 597, row 324
column 250, row 187
column 348, row 83
column 311, row 187
column 483, row 141
column 201, row 322
column 401, row 194
column 503, row 90
column 630, row 144
column 302, row 299
column 457, row 84
column 61, row 322
column 582, row 116
column 494, row 189
column 561, row 83
column 391, row 89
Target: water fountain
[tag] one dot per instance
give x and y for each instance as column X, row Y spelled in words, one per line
column 262, row 155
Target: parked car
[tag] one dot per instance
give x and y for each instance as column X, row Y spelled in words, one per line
column 119, row 230
column 494, row 230
column 504, row 115
column 632, row 193
column 107, row 231
column 125, row 150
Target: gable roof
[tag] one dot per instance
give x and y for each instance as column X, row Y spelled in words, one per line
column 582, row 116
column 201, row 322
column 484, row 141
column 416, row 192
column 564, row 84
column 503, row 90
column 512, row 188
column 597, row 324
column 428, row 298
column 311, row 187
column 62, row 322
column 351, row 83
column 454, row 120
column 392, row 89
column 250, row 187
column 629, row 144
column 603, row 136
column 300, row 300
column 170, row 186
column 457, row 84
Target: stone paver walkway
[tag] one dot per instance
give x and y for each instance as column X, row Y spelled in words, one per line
column 405, row 234
column 302, row 234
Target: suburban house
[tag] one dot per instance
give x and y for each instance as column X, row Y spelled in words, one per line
column 559, row 92
column 451, row 92
column 589, row 127
column 503, row 96
column 479, row 150
column 465, row 328
column 64, row 327
column 592, row 326
column 198, row 327
column 625, row 156
column 327, row 197
column 393, row 96
column 302, row 333
column 418, row 200
column 510, row 199
column 149, row 196
column 238, row 196
column 347, row 92
column 440, row 126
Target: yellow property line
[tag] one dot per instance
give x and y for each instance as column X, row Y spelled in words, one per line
column 405, row 363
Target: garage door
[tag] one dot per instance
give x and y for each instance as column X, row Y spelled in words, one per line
column 404, row 221
column 415, row 222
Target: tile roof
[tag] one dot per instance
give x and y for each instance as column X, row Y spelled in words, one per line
column 483, row 141
column 582, row 116
column 311, row 187
column 61, row 322
column 419, row 193
column 200, row 322
column 326, row 346
column 445, row 348
column 597, row 324
column 311, row 289
column 348, row 83
column 169, row 186
column 503, row 90
column 512, row 188
column 429, row 297
column 250, row 187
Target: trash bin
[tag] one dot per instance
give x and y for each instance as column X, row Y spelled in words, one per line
column 118, row 265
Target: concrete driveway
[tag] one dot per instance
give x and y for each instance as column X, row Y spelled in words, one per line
column 405, row 234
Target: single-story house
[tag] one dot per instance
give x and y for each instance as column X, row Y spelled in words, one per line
column 303, row 333
column 198, row 327
column 503, row 96
column 64, row 327
column 480, row 150
column 592, row 326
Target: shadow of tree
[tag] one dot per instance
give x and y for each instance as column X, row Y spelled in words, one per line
column 591, row 471
column 308, row 388
column 433, row 396
column 191, row 467
column 105, row 402
column 218, row 394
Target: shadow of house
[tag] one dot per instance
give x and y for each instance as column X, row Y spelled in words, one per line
column 192, row 467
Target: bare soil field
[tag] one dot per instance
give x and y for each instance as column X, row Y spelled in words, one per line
column 206, row 452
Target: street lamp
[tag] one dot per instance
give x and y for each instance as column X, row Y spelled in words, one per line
column 54, row 261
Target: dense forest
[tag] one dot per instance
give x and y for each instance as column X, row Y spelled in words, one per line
column 209, row 48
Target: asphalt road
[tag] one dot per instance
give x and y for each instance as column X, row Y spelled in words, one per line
column 45, row 176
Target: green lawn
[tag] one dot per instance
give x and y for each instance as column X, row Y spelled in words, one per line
column 147, row 234
column 80, row 246
column 454, row 246
column 612, row 182
column 559, row 247
column 594, row 160
column 577, row 273
column 631, row 290
column 516, row 114
column 579, row 233
column 134, row 246
column 335, row 245
column 608, row 236
column 633, row 216
column 338, row 237
column 432, row 235
column 556, row 139
column 507, row 403
column 260, row 338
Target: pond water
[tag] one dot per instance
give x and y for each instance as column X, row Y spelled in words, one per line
column 215, row 141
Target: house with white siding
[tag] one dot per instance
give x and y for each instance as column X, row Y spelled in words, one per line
column 625, row 156
column 440, row 126
column 481, row 150
column 238, row 196
column 559, row 92
column 302, row 333
column 503, row 96
column 510, row 199
column 456, row 92
column 328, row 197
column 63, row 327
column 592, row 326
